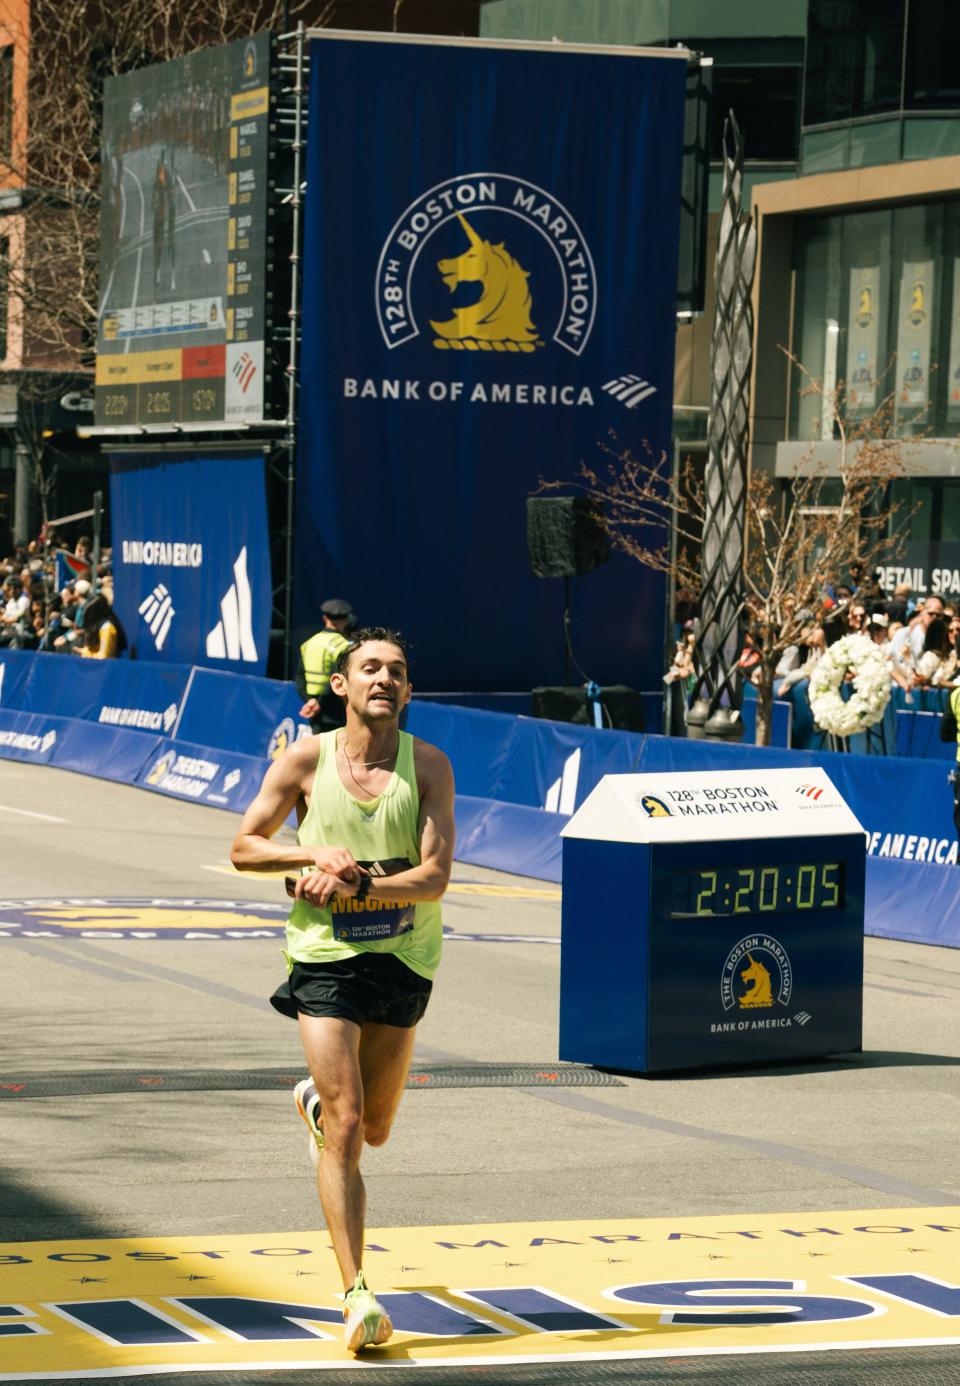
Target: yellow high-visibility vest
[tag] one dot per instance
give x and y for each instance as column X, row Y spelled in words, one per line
column 319, row 657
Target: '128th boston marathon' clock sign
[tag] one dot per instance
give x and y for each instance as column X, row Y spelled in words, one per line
column 711, row 919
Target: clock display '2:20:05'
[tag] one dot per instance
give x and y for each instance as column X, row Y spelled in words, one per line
column 785, row 889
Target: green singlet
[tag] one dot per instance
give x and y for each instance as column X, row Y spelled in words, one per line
column 383, row 835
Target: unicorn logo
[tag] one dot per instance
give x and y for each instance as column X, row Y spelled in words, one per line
column 749, row 984
column 161, row 768
column 865, row 307
column 654, row 807
column 918, row 303
column 500, row 319
column 557, row 262
column 757, row 981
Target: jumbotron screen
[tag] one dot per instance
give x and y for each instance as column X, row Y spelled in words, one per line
column 181, row 328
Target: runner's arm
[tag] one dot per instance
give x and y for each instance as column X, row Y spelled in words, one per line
column 282, row 786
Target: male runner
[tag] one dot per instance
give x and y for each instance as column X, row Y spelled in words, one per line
column 375, row 809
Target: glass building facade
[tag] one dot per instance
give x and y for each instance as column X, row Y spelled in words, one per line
column 881, row 82
column 877, row 314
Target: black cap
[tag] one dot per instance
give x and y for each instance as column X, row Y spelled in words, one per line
column 337, row 608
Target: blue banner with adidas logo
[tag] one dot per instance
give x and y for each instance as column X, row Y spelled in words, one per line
column 490, row 268
column 191, row 559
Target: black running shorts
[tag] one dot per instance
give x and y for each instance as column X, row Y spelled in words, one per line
column 375, row 987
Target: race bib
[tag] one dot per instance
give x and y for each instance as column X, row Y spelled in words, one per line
column 372, row 920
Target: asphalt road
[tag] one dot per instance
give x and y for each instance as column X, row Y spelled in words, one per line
column 871, row 1131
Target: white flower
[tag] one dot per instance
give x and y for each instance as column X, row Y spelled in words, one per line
column 871, row 686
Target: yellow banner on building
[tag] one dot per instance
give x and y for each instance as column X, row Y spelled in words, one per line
column 139, row 367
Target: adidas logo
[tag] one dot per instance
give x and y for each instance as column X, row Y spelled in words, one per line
column 232, row 636
column 158, row 612
column 630, row 390
column 802, row 1017
column 562, row 794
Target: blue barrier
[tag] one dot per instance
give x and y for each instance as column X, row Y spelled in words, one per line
column 518, row 778
column 918, row 735
column 146, row 697
column 16, row 671
column 28, row 736
column 203, row 775
column 913, row 901
column 254, row 716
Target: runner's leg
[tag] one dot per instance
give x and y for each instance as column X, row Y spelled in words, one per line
column 385, row 1054
column 332, row 1050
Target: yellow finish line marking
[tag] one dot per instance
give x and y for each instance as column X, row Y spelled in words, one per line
column 487, row 1294
column 507, row 892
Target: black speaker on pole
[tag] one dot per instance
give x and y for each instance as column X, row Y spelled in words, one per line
column 565, row 536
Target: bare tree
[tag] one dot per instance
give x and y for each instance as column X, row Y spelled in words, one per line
column 798, row 544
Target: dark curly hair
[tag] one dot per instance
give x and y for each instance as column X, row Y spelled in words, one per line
column 364, row 636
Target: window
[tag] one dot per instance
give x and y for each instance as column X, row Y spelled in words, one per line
column 766, row 103
column 932, row 74
column 877, row 311
column 854, row 59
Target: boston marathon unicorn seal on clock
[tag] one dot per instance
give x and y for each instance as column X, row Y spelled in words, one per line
column 374, row 852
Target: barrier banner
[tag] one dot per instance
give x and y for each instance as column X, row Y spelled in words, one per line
column 191, row 559
column 119, row 693
column 258, row 717
column 27, row 736
column 489, row 299
column 16, row 672
column 221, row 779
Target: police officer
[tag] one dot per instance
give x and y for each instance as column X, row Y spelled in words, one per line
column 318, row 658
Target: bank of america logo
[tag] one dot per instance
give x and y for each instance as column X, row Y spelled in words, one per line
column 244, row 368
column 802, row 1017
column 158, row 611
column 810, row 791
column 630, row 390
column 232, row 636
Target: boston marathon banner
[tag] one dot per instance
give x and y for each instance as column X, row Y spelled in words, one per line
column 191, row 559
column 489, row 298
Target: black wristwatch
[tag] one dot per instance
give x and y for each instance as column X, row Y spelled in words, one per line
column 364, row 888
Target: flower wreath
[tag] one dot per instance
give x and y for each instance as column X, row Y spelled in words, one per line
column 871, row 686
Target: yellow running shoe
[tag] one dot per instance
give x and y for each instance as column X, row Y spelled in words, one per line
column 367, row 1322
column 308, row 1105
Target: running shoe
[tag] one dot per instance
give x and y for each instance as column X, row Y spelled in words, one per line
column 367, row 1322
column 308, row 1105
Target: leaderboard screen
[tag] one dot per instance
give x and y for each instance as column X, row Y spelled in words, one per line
column 181, row 326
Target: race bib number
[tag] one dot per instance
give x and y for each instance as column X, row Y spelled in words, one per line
column 372, row 920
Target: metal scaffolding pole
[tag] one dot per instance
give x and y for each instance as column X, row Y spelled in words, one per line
column 291, row 119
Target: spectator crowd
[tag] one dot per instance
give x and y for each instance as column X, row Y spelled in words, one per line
column 919, row 637
column 52, row 599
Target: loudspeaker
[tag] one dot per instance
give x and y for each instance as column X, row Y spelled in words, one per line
column 565, row 535
column 622, row 706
